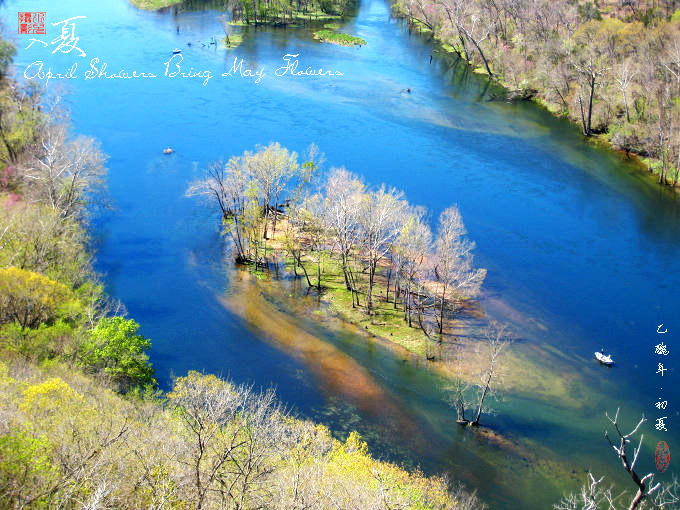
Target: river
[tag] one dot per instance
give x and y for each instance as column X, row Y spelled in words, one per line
column 581, row 250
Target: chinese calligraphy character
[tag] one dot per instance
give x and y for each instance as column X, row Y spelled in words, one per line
column 660, row 425
column 31, row 22
column 67, row 40
column 661, row 405
column 661, row 369
column 661, row 332
column 33, row 40
column 661, row 349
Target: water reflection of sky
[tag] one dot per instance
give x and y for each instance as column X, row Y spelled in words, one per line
column 579, row 253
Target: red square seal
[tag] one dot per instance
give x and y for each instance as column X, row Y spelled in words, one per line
column 32, row 22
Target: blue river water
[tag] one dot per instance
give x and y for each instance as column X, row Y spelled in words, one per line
column 582, row 251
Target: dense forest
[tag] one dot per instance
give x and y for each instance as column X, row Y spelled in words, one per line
column 82, row 422
column 285, row 12
column 612, row 66
column 264, row 12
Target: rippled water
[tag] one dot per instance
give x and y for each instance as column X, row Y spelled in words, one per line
column 581, row 251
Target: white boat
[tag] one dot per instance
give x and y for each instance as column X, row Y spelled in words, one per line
column 605, row 360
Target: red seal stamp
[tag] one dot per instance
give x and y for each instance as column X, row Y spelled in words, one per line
column 662, row 456
column 32, row 22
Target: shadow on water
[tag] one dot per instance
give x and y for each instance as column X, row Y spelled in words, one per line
column 395, row 400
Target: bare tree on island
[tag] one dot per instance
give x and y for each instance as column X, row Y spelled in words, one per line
column 380, row 219
column 649, row 494
column 453, row 263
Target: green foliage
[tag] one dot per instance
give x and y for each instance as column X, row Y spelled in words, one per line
column 47, row 341
column 114, row 347
column 7, row 52
column 25, row 461
column 288, row 12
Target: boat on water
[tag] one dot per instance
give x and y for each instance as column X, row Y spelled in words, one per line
column 604, row 359
column 176, row 51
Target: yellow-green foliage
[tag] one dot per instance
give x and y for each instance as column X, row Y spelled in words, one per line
column 36, row 238
column 69, row 440
column 30, row 298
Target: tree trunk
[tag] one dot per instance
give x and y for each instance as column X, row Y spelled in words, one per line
column 481, row 400
column 369, row 294
column 590, row 104
column 583, row 117
column 441, row 313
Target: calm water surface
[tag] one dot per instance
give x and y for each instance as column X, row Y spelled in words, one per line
column 581, row 252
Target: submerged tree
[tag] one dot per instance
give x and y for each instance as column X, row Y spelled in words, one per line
column 458, row 391
column 490, row 351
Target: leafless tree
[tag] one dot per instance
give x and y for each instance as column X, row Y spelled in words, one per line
column 412, row 251
column 491, row 350
column 227, row 184
column 458, row 391
column 344, row 192
column 645, row 485
column 380, row 219
column 453, row 263
column 64, row 173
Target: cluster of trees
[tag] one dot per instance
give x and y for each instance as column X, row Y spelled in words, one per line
column 373, row 236
column 612, row 66
column 66, row 442
column 285, row 12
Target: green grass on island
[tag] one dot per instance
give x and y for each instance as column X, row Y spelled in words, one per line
column 153, row 5
column 232, row 41
column 337, row 38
